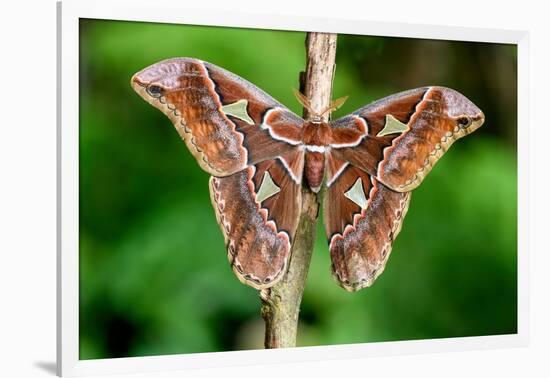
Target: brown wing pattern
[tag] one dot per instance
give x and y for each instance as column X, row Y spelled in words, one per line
column 258, row 211
column 362, row 219
column 217, row 113
column 249, row 143
column 253, row 147
column 406, row 134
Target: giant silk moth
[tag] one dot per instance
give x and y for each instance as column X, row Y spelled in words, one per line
column 259, row 155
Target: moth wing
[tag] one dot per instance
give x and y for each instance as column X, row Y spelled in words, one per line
column 226, row 122
column 258, row 210
column 362, row 219
column 399, row 139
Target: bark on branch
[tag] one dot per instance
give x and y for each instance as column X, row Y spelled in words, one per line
column 281, row 303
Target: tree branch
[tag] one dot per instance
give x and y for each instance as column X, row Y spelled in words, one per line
column 281, row 303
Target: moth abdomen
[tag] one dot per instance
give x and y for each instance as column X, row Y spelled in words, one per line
column 314, row 170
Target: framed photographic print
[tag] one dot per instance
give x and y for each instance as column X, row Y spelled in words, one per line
column 256, row 211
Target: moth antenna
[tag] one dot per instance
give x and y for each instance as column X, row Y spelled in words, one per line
column 335, row 104
column 303, row 100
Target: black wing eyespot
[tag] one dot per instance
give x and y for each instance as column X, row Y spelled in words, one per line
column 464, row 122
column 154, row 90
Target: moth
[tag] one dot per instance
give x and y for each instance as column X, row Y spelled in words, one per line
column 259, row 155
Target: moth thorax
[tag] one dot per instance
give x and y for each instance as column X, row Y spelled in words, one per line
column 316, row 133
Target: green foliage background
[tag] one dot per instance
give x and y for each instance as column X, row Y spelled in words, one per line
column 154, row 276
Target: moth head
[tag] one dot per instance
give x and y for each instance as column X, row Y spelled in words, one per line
column 155, row 81
column 463, row 113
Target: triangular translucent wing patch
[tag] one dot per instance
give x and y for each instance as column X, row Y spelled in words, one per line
column 238, row 110
column 267, row 189
column 392, row 126
column 357, row 194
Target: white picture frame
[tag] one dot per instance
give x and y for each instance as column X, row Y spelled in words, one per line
column 69, row 14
